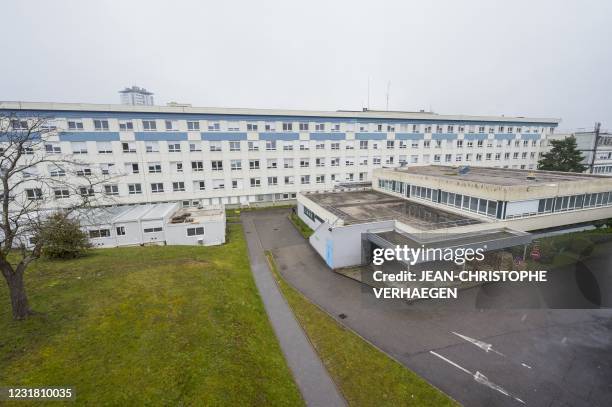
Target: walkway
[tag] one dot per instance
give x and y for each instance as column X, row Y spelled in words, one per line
column 314, row 382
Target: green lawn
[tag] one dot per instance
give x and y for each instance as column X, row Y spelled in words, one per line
column 302, row 227
column 148, row 326
column 365, row 375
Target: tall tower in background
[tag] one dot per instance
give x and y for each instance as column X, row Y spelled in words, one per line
column 136, row 96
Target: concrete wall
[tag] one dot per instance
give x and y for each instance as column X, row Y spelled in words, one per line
column 214, row 233
column 341, row 246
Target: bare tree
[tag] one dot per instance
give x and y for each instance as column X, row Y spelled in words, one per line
column 36, row 179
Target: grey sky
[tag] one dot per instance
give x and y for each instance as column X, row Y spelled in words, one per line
column 531, row 58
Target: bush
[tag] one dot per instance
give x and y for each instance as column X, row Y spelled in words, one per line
column 62, row 237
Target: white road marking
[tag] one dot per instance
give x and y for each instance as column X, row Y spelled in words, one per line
column 450, row 361
column 524, row 318
column 527, row 366
column 487, row 347
column 479, row 377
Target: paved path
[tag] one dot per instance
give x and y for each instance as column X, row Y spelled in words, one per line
column 313, row 380
column 542, row 357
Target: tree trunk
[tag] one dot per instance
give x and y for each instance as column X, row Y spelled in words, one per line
column 19, row 299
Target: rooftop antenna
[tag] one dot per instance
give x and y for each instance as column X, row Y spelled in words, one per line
column 368, row 93
column 388, row 87
column 596, row 142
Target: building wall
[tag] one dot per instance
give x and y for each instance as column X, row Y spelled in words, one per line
column 364, row 142
column 341, row 246
column 214, row 233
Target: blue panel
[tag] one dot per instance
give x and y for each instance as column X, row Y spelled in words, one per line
column 479, row 136
column 409, row 136
column 221, row 136
column 371, row 136
column 160, row 136
column 504, row 136
column 279, row 136
column 443, row 136
column 89, row 136
column 327, row 136
column 329, row 252
column 530, row 136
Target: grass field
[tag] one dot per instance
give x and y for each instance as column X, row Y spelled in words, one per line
column 148, row 326
column 364, row 374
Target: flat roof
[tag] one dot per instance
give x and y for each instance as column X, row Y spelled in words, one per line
column 368, row 114
column 497, row 176
column 207, row 213
column 372, row 206
column 159, row 211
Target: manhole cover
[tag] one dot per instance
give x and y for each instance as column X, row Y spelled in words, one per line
column 342, row 316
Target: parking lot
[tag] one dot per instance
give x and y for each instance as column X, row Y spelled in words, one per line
column 479, row 357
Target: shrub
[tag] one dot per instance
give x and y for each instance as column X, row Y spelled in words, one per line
column 62, row 237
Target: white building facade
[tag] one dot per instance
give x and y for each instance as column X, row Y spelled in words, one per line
column 204, row 156
column 602, row 150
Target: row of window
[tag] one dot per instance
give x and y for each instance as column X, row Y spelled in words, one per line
column 464, row 202
column 120, row 230
column 106, row 147
column 270, row 126
column 179, row 186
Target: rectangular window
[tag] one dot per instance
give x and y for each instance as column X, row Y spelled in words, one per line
column 215, row 146
column 128, row 147
column 155, row 168
column 112, row 189
column 72, row 125
column 303, row 126
column 197, row 166
column 157, row 187
column 174, row 147
column 178, row 186
column 79, row 147
column 152, row 146
column 217, row 165
column 253, row 164
column 236, row 165
column 120, row 230
column 193, row 125
column 126, row 125
column 104, row 147
column 61, row 193
column 86, row 191
column 153, row 230
column 149, row 125
column 34, row 194
column 171, row 125
column 101, row 125
column 234, row 145
column 134, row 189
column 96, row 233
column 197, row 231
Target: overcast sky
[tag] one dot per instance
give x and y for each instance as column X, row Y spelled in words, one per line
column 526, row 58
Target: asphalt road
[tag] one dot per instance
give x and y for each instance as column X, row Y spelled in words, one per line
column 479, row 357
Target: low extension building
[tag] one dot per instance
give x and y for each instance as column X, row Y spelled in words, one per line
column 451, row 206
column 161, row 224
